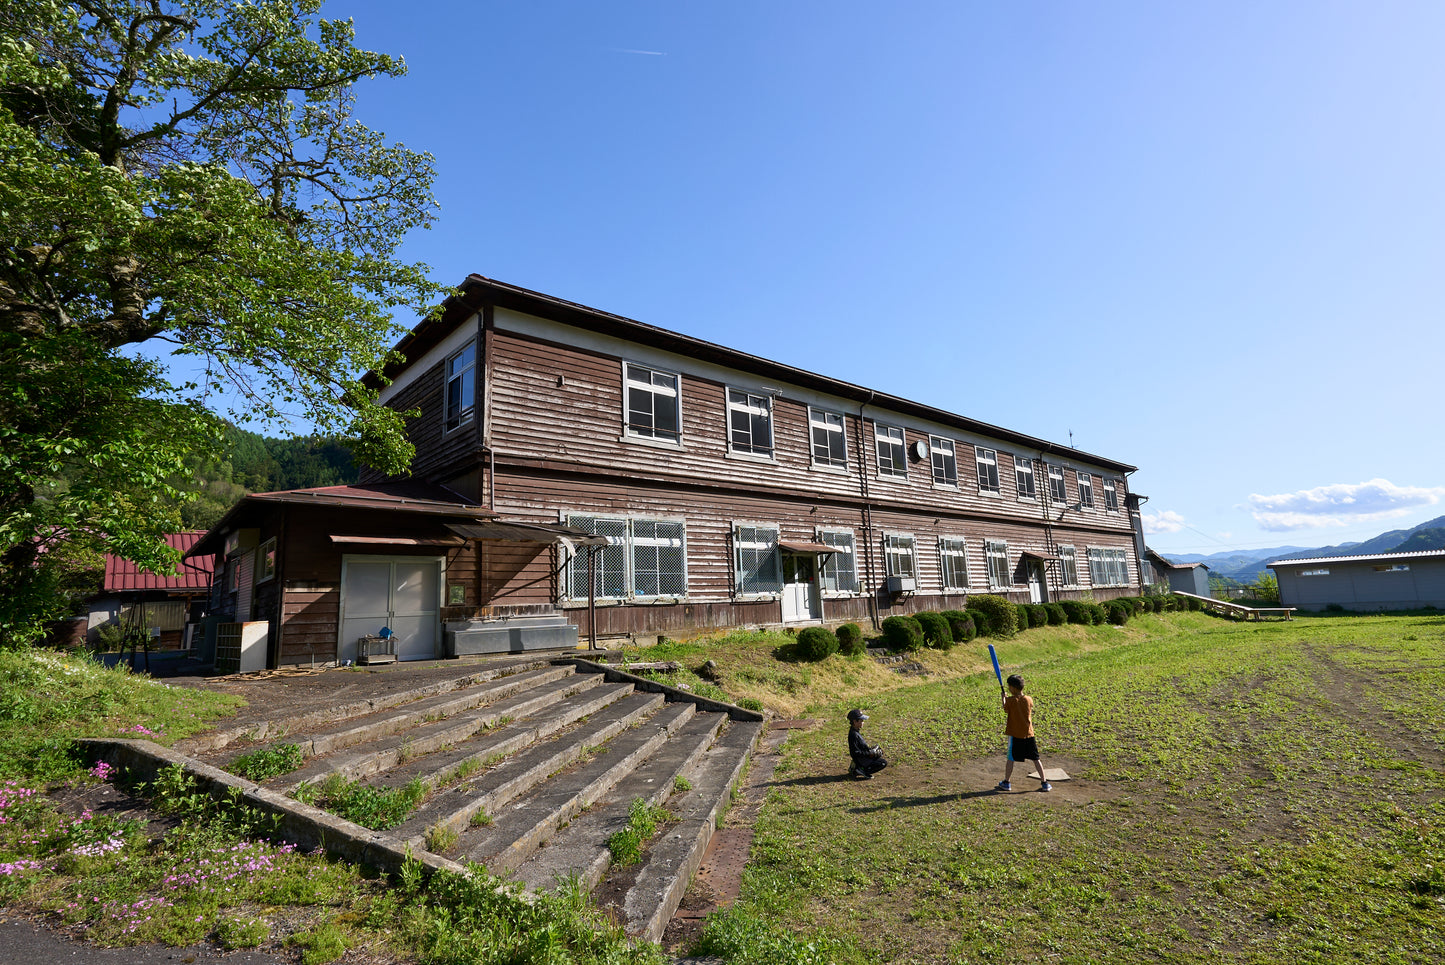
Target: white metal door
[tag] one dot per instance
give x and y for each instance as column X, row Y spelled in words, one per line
column 1036, row 583
column 403, row 594
column 800, row 589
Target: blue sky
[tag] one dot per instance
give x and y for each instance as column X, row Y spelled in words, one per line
column 1203, row 238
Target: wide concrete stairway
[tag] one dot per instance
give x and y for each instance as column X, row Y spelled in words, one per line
column 532, row 767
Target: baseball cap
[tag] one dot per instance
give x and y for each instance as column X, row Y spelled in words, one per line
column 856, row 714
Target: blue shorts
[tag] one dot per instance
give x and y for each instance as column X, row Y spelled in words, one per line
column 1023, row 749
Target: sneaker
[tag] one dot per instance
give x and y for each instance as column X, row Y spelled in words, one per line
column 1046, row 786
column 1003, row 786
column 852, row 770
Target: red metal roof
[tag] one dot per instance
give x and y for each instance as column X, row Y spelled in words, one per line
column 123, row 576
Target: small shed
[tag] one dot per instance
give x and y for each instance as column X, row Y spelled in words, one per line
column 133, row 597
column 1182, row 577
column 1379, row 581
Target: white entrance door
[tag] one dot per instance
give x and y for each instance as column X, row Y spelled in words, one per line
column 402, row 593
column 801, row 602
column 1036, row 582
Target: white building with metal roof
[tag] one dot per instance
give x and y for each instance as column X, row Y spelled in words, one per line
column 1378, row 581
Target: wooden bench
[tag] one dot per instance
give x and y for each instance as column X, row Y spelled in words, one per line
column 1239, row 610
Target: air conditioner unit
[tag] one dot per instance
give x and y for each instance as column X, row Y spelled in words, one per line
column 902, row 584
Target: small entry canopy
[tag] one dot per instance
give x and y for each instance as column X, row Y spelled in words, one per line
column 796, row 546
column 513, row 532
column 1041, row 557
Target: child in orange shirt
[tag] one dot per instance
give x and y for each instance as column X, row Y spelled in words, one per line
column 1019, row 727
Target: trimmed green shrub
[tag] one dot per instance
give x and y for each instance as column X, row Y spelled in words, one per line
column 1194, row 603
column 1077, row 611
column 1021, row 616
column 1098, row 616
column 815, row 643
column 1119, row 611
column 850, row 640
column 903, row 634
column 980, row 621
column 936, row 631
column 1057, row 616
column 1001, row 615
column 1038, row 615
column 962, row 625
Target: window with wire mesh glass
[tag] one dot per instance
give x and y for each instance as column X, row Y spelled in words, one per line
column 653, row 403
column 987, row 462
column 1069, row 564
column 837, row 571
column 756, row 568
column 1057, row 490
column 1086, row 490
column 645, row 558
column 1024, row 477
column 945, row 462
column 953, row 562
column 892, row 459
column 899, row 555
column 995, row 551
column 1108, row 567
column 461, row 391
column 750, row 423
column 829, row 443
column 1111, row 495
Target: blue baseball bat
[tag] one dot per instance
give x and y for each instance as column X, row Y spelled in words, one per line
column 996, row 671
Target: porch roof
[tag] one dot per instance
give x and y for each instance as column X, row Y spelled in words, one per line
column 797, row 546
column 510, row 531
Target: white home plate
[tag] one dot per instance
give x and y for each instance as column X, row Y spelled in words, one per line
column 1051, row 774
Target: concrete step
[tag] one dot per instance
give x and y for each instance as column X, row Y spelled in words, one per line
column 520, row 770
column 580, row 850
column 519, row 828
column 672, row 858
column 392, row 745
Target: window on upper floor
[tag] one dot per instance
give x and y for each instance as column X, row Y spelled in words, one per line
column 750, row 423
column 953, row 562
column 945, row 462
column 756, row 568
column 266, row 561
column 1024, row 477
column 892, row 459
column 1111, row 495
column 644, row 558
column 987, row 462
column 461, row 392
column 1057, row 491
column 654, row 403
column 995, row 551
column 1086, row 491
column 837, row 571
column 1069, row 565
column 829, row 443
column 899, row 555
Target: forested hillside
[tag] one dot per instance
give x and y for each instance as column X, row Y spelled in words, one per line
column 254, row 464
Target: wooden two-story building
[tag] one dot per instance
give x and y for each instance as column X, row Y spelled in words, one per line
column 731, row 490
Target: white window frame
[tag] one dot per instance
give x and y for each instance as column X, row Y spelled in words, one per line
column 1111, row 495
column 1319, row 571
column 895, row 468
column 772, row 590
column 622, row 530
column 985, row 460
column 900, row 555
column 753, row 405
column 1058, row 493
column 1069, row 565
column 1108, row 566
column 953, row 562
column 644, row 434
column 819, row 420
column 1024, row 468
column 995, row 554
column 846, row 547
column 1086, row 490
column 266, row 561
column 943, row 450
column 464, row 378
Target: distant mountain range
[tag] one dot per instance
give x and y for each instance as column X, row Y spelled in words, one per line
column 1245, row 565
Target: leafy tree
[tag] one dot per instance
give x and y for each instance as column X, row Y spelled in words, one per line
column 189, row 174
column 1265, row 587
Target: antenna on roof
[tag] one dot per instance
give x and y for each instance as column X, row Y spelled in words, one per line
column 1071, row 439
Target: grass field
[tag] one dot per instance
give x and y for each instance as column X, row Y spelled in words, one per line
column 1242, row 792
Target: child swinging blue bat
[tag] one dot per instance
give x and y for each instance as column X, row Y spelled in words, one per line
column 1018, row 727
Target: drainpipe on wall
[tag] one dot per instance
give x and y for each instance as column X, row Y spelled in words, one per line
column 867, row 514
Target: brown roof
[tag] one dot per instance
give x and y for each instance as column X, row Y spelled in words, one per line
column 406, row 496
column 123, row 576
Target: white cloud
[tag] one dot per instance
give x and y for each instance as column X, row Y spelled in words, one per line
column 1164, row 521
column 1340, row 504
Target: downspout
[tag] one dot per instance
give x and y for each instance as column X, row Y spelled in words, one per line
column 867, row 514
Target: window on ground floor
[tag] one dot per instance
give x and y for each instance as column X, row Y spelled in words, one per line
column 953, row 562
column 838, row 571
column 1069, row 564
column 899, row 555
column 756, row 568
column 1108, row 567
column 644, row 559
column 996, row 552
